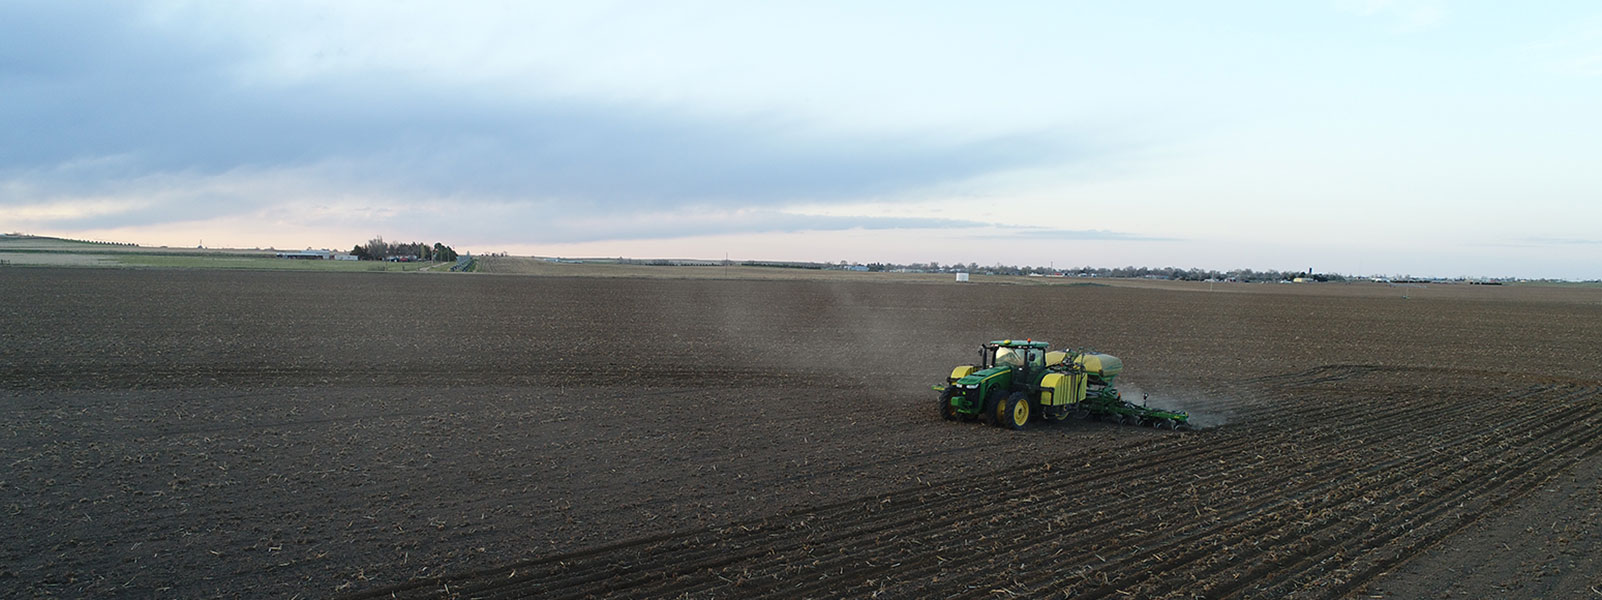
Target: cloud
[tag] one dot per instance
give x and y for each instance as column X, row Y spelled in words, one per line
column 287, row 196
column 696, row 224
column 1406, row 16
column 109, row 103
column 1548, row 241
column 1568, row 244
column 558, row 227
column 1041, row 233
column 1575, row 51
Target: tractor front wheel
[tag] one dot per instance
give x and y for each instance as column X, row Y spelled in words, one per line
column 1014, row 412
column 947, row 411
column 987, row 411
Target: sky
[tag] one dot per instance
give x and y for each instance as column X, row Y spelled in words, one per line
column 1427, row 138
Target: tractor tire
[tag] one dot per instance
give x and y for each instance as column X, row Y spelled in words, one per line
column 947, row 411
column 987, row 412
column 1014, row 413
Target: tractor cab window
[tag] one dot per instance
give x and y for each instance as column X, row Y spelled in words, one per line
column 1036, row 357
column 1009, row 357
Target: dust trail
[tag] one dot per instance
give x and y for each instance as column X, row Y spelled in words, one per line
column 1205, row 411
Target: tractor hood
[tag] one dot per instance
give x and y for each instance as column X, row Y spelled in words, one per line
column 973, row 379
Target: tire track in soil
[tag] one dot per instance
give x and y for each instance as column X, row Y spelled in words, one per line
column 1137, row 511
column 1150, row 560
column 846, row 509
column 1498, row 494
column 862, row 543
column 802, row 520
column 635, row 591
column 1395, row 490
column 1261, row 532
column 913, row 525
column 1149, row 541
column 910, row 527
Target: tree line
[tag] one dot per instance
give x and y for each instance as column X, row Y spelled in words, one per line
column 1001, row 269
column 378, row 249
column 1177, row 273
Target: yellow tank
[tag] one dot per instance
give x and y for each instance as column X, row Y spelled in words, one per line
column 1063, row 389
column 1105, row 366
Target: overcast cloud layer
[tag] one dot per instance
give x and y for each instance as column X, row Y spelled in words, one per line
column 105, row 103
column 1372, row 136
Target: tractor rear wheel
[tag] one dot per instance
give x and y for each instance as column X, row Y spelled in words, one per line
column 947, row 411
column 1014, row 412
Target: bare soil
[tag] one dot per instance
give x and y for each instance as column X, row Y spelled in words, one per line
column 265, row 434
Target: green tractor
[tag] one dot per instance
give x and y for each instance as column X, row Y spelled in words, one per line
column 1018, row 381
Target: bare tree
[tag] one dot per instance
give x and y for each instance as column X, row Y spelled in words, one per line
column 377, row 248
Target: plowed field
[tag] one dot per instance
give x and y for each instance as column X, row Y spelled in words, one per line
column 195, row 434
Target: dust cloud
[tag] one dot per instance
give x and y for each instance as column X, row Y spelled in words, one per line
column 1205, row 411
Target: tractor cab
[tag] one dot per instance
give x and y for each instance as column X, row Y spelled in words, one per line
column 1025, row 358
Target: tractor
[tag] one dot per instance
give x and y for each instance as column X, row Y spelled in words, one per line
column 1019, row 381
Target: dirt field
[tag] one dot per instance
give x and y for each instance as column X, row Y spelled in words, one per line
column 173, row 433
